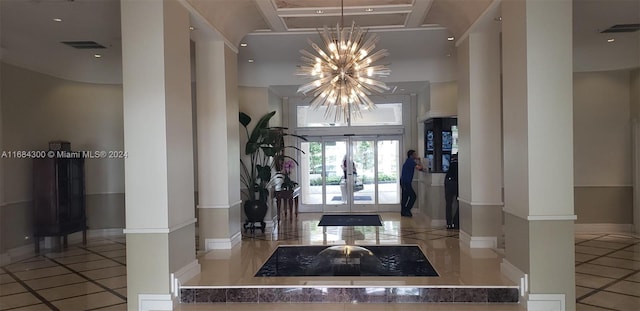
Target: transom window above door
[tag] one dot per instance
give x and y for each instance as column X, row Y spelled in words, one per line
column 383, row 115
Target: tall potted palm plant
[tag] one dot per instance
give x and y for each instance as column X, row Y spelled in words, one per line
column 265, row 150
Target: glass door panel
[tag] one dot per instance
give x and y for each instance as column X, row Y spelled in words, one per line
column 363, row 177
column 388, row 173
column 311, row 176
column 336, row 189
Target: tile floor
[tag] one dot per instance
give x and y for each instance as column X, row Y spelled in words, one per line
column 607, row 272
column 94, row 277
column 91, row 277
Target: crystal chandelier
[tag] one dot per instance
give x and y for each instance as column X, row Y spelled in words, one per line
column 343, row 74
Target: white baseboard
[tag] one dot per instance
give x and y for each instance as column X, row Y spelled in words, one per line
column 606, row 228
column 515, row 275
column 212, row 244
column 478, row 241
column 183, row 275
column 155, row 302
column 546, row 302
column 437, row 223
column 17, row 254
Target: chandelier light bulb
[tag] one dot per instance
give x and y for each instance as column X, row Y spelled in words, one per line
column 337, row 72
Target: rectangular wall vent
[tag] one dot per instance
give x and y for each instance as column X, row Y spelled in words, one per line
column 622, row 28
column 84, row 44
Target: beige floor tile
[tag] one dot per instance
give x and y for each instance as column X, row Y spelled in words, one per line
column 115, row 282
column 107, row 247
column 91, row 301
column 93, row 265
column 11, row 288
column 118, row 307
column 24, row 266
column 116, row 253
column 67, row 291
column 18, row 300
column 583, row 307
column 624, row 287
column 592, row 250
column 67, row 253
column 54, row 281
column 592, row 281
column 616, row 262
column 122, row 260
column 614, row 301
column 581, row 291
column 5, row 278
column 106, row 272
column 122, row 291
column 618, row 238
column 602, row 270
column 38, row 307
column 79, row 258
column 41, row 273
column 584, row 257
column 635, row 278
column 626, row 255
column 605, row 244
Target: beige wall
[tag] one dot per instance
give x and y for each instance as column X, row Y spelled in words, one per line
column 38, row 108
column 444, row 98
column 602, row 148
column 635, row 93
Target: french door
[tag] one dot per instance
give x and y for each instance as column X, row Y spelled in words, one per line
column 350, row 174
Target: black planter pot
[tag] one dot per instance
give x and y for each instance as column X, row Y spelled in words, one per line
column 255, row 210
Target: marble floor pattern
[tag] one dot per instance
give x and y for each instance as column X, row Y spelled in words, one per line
column 93, row 277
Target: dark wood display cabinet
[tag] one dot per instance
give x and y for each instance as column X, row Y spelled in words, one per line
column 59, row 202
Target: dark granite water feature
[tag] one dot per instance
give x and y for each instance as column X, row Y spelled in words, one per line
column 347, row 261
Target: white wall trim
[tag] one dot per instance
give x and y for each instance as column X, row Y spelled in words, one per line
column 491, row 8
column 183, row 275
column 477, row 203
column 220, row 205
column 155, row 302
column 552, row 217
column 438, row 223
column 546, row 302
column 212, row 244
column 17, row 202
column 606, row 228
column 145, row 230
column 183, row 224
column 216, row 34
column 515, row 275
column 17, row 253
column 478, row 241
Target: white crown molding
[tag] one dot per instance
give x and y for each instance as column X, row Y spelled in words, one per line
column 145, row 230
column 374, row 29
column 418, row 13
column 348, row 11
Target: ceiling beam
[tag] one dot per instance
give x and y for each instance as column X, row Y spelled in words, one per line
column 270, row 14
column 419, row 12
column 350, row 10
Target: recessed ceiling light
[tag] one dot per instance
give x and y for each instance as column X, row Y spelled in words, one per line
column 97, row 55
column 368, row 10
column 450, row 38
column 611, row 40
column 192, row 28
column 251, row 60
column 243, row 44
column 319, row 11
column 57, row 19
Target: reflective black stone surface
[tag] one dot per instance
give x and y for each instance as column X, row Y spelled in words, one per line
column 347, row 260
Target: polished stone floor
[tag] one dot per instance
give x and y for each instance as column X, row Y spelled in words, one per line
column 94, row 277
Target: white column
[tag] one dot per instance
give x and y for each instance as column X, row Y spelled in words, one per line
column 219, row 204
column 538, row 149
column 480, row 144
column 160, row 222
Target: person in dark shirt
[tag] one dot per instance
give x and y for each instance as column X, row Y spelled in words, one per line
column 451, row 192
column 408, row 195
